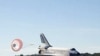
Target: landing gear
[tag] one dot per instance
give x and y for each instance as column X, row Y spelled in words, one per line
column 39, row 51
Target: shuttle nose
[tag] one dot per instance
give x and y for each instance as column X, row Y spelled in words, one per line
column 73, row 49
column 74, row 52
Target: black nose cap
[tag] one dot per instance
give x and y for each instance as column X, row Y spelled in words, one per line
column 73, row 49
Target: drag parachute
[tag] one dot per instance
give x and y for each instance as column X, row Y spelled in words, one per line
column 16, row 45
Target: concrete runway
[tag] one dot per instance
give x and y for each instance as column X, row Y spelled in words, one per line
column 32, row 55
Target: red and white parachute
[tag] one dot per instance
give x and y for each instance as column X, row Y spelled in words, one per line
column 16, row 45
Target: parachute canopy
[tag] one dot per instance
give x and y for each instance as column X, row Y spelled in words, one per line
column 16, row 45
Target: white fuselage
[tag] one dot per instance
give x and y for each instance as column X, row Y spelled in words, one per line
column 56, row 51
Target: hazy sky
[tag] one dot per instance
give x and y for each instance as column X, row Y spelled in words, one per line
column 65, row 23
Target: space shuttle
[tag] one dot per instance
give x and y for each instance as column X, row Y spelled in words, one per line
column 46, row 49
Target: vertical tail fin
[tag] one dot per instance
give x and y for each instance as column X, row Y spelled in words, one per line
column 44, row 40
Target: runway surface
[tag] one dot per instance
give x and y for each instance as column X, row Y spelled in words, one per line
column 32, row 55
